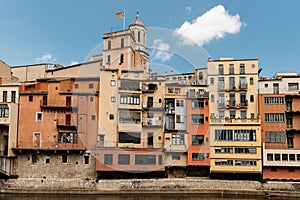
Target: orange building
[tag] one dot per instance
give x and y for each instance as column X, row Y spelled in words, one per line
column 58, row 127
column 198, row 131
column 279, row 102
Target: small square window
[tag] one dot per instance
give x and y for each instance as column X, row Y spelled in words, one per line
column 47, row 160
column 91, row 99
column 93, row 117
column 266, row 85
column 112, row 82
column 30, row 98
column 125, row 74
column 113, row 99
column 56, row 88
column 91, row 86
column 111, row 116
column 76, row 86
column 136, row 75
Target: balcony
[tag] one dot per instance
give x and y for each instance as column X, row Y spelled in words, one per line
column 235, row 105
column 58, row 105
column 176, row 148
column 200, row 94
column 152, row 122
column 243, row 86
column 65, row 126
column 281, row 157
column 149, row 88
column 235, row 121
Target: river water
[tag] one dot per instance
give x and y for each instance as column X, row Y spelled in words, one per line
column 128, row 197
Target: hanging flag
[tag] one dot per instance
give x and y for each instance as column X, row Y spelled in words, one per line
column 120, row 14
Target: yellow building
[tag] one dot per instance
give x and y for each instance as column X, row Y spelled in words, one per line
column 235, row 134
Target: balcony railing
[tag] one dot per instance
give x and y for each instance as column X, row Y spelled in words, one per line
column 234, row 104
column 235, row 120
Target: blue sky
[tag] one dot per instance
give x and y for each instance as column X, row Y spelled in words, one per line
column 65, row 31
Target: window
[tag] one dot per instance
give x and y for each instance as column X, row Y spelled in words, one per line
column 34, row 158
column 145, row 159
column 108, row 159
column 64, row 158
column 223, row 135
column 197, row 156
column 245, row 162
column 134, row 138
column 123, row 159
column 243, row 114
column 231, row 82
column 177, row 90
column 274, row 117
column 225, row 150
column 221, row 83
column 179, row 103
column 4, row 111
column 242, row 68
column 251, row 98
column 221, row 113
column 100, row 140
column 245, row 150
column 86, row 159
column 39, row 117
column 245, row 135
column 47, row 160
column 108, row 59
column 13, row 96
column 111, row 116
column 232, row 113
column 292, row 157
column 126, row 116
column 212, row 98
column 232, row 99
column 93, row 117
column 231, row 68
column 243, row 83
column 91, row 86
column 4, row 99
column 125, row 74
column 176, row 156
column 266, row 85
column 221, row 69
column 274, row 100
column 178, row 119
column 197, row 103
column 277, row 157
column 121, row 58
column 112, row 82
column 212, row 81
column 293, row 86
column 108, row 44
column 197, row 119
column 68, row 101
column 221, row 100
column 76, row 86
column 68, row 119
column 270, row 157
column 139, row 36
column 130, row 100
column 275, row 137
column 251, row 81
column 291, row 169
column 122, row 42
column 224, row 162
column 197, row 139
column 136, row 75
column 68, row 137
column 284, row 157
column 91, row 99
column 178, row 139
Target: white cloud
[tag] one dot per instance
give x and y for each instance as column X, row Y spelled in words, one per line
column 188, row 9
column 214, row 24
column 46, row 58
column 161, row 50
column 72, row 62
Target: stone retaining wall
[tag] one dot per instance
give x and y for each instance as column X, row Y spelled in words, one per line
column 176, row 185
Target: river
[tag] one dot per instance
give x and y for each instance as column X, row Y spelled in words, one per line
column 129, row 197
